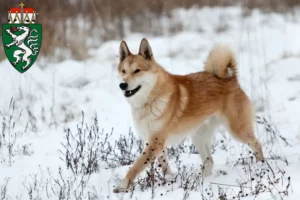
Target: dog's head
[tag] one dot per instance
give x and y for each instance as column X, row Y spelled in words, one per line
column 138, row 73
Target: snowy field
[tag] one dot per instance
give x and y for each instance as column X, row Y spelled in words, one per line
column 65, row 126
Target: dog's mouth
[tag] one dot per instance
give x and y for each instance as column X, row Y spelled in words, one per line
column 129, row 93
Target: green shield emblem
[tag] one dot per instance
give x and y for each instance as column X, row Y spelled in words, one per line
column 22, row 43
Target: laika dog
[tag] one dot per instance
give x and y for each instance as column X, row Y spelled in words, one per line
column 167, row 108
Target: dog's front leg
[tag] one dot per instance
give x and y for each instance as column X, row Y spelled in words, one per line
column 153, row 148
column 164, row 164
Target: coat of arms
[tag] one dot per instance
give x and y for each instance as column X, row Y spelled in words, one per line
column 22, row 37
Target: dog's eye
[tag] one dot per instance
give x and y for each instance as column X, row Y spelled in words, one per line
column 137, row 71
column 123, row 71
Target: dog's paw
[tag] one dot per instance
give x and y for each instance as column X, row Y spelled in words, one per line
column 207, row 168
column 120, row 190
column 123, row 186
column 259, row 158
column 168, row 174
column 206, row 172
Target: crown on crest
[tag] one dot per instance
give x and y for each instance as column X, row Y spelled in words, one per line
column 21, row 15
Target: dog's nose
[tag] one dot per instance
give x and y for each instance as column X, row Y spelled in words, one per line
column 123, row 86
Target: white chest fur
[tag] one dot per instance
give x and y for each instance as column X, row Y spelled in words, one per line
column 146, row 128
column 148, row 120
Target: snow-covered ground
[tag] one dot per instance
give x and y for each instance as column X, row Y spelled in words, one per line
column 52, row 98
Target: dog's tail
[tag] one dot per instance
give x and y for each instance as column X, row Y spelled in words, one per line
column 221, row 62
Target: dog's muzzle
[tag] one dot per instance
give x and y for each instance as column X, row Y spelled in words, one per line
column 129, row 93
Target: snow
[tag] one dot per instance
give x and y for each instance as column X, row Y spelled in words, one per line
column 52, row 97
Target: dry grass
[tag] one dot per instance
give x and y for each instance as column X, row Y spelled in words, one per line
column 106, row 19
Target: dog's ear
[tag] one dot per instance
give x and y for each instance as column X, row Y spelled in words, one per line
column 124, row 51
column 145, row 50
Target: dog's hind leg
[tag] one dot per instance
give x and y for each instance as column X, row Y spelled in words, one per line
column 240, row 117
column 245, row 134
column 202, row 139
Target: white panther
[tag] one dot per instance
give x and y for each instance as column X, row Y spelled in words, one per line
column 18, row 40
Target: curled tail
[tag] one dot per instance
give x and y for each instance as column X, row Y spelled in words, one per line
column 221, row 62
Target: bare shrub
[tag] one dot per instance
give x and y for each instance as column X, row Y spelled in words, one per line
column 10, row 144
column 90, row 148
column 80, row 151
column 187, row 177
column 272, row 131
column 258, row 179
column 3, row 190
column 35, row 187
column 59, row 186
column 74, row 187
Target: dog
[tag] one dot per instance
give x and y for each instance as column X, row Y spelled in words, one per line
column 167, row 108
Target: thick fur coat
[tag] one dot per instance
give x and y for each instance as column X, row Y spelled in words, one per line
column 167, row 108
